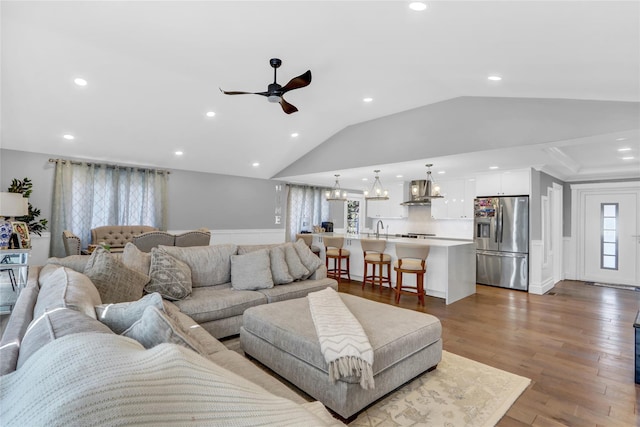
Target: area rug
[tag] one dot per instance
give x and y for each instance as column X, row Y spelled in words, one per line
column 459, row 393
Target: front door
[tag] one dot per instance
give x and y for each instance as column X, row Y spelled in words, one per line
column 610, row 228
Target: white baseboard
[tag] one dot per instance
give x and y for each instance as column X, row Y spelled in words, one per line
column 541, row 288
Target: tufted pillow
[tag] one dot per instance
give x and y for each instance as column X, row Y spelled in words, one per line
column 55, row 324
column 279, row 268
column 251, row 271
column 135, row 259
column 64, row 287
column 210, row 265
column 155, row 327
column 119, row 317
column 115, row 281
column 169, row 276
column 310, row 260
column 296, row 268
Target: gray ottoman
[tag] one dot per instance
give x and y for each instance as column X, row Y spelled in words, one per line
column 282, row 336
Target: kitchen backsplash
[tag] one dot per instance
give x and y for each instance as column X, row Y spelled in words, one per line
column 420, row 221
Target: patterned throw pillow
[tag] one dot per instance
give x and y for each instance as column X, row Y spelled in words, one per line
column 251, row 271
column 119, row 317
column 115, row 281
column 310, row 260
column 279, row 268
column 170, row 277
column 296, row 267
column 155, row 327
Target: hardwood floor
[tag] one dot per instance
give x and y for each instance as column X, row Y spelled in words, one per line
column 575, row 343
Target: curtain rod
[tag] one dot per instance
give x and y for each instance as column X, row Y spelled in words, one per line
column 110, row 166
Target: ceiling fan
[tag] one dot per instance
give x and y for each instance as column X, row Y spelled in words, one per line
column 275, row 92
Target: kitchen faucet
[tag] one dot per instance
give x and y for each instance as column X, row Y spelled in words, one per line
column 378, row 224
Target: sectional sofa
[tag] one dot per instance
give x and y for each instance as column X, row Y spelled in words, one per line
column 93, row 340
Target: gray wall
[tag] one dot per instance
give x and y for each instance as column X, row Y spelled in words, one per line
column 540, row 181
column 196, row 199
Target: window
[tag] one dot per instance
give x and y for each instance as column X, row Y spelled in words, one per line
column 609, row 240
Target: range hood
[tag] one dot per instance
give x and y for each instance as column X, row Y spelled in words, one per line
column 421, row 191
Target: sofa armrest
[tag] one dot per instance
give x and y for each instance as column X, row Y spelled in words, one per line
column 320, row 273
column 71, row 243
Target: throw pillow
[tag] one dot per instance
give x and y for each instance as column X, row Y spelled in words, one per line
column 279, row 268
column 169, row 276
column 119, row 317
column 308, row 258
column 74, row 262
column 251, row 271
column 55, row 324
column 210, row 265
column 135, row 259
column 245, row 249
column 115, row 281
column 296, row 268
column 155, row 327
column 67, row 288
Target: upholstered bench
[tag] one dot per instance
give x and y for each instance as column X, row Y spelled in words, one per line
column 282, row 336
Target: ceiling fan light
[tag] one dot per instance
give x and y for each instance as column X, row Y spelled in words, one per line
column 274, row 98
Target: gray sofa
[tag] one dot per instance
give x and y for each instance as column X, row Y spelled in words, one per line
column 56, row 344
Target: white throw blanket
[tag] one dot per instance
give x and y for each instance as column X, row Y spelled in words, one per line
column 343, row 342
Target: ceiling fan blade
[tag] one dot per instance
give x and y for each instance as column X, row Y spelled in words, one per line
column 297, row 82
column 286, row 107
column 235, row 92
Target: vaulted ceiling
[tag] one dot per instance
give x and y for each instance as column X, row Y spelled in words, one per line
column 154, row 69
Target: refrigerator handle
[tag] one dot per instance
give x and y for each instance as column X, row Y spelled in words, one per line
column 501, row 219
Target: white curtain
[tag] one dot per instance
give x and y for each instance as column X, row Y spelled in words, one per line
column 306, row 207
column 86, row 196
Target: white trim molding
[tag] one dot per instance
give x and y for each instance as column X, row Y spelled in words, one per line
column 541, row 276
column 262, row 236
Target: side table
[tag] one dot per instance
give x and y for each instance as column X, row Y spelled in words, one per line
column 15, row 263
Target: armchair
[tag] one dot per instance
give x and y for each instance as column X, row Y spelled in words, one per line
column 199, row 237
column 72, row 244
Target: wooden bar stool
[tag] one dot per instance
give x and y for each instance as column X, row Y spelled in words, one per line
column 308, row 239
column 333, row 249
column 374, row 255
column 411, row 260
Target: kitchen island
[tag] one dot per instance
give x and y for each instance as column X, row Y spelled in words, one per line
column 451, row 265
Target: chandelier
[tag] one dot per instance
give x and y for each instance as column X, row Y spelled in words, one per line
column 336, row 193
column 377, row 191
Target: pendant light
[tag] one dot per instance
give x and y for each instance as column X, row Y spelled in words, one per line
column 377, row 191
column 433, row 189
column 336, row 193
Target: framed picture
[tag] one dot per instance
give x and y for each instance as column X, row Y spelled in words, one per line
column 21, row 229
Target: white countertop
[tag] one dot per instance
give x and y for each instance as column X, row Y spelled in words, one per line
column 393, row 239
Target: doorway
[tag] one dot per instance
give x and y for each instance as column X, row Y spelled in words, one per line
column 607, row 233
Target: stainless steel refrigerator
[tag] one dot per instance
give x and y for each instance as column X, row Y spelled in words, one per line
column 502, row 241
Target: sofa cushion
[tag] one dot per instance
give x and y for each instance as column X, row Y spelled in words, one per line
column 63, row 287
column 54, row 324
column 119, row 317
column 251, row 271
column 207, row 343
column 21, row 316
column 310, row 260
column 296, row 267
column 210, row 265
column 279, row 267
column 297, row 289
column 135, row 259
column 74, row 262
column 213, row 303
column 154, row 327
column 169, row 276
column 245, row 249
column 115, row 281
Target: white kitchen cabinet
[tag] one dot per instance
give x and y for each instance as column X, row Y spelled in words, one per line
column 389, row 208
column 507, row 183
column 457, row 200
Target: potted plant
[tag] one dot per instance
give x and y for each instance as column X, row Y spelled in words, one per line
column 24, row 186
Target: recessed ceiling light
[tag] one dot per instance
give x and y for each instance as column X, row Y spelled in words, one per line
column 493, row 167
column 417, row 6
column 495, row 78
column 365, row 179
column 624, row 149
column 80, row 81
column 294, row 135
column 68, row 136
column 621, row 139
column 628, row 158
column 210, row 114
column 367, row 99
column 255, row 164
column 442, row 172
column 179, row 153
column 398, row 176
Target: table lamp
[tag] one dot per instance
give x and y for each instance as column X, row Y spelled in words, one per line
column 11, row 206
